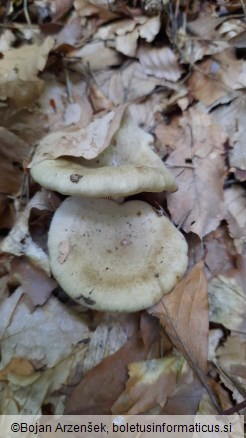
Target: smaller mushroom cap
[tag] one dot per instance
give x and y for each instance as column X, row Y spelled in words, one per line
column 128, row 166
column 115, row 257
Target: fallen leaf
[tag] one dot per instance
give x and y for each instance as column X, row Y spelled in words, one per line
column 235, row 200
column 36, row 285
column 17, row 366
column 92, row 395
column 150, row 383
column 184, row 316
column 28, row 394
column 19, row 241
column 18, row 79
column 159, row 62
column 198, row 163
column 46, row 336
column 126, row 33
column 184, row 401
column 231, row 363
column 113, row 331
column 96, row 55
column 85, row 142
column 13, row 153
column 227, row 303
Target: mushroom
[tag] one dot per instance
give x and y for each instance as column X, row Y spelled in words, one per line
column 115, row 257
column 128, row 166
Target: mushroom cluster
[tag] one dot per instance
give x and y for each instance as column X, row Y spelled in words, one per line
column 105, row 255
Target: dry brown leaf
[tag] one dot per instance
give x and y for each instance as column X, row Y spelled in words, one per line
column 7, row 212
column 128, row 83
column 36, row 285
column 198, row 165
column 18, row 366
column 187, row 395
column 150, row 384
column 98, row 8
column 159, row 62
column 97, row 99
column 45, row 336
column 85, row 142
column 235, row 200
column 18, row 78
column 112, row 332
column 126, row 33
column 217, row 78
column 227, row 303
column 195, row 48
column 219, row 252
column 27, row 394
column 184, row 315
column 232, row 118
column 231, row 363
column 103, row 384
column 19, row 241
column 14, row 151
column 96, row 55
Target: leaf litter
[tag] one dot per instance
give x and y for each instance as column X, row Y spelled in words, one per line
column 71, row 72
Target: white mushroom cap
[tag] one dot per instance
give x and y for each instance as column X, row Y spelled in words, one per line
column 128, row 166
column 115, row 257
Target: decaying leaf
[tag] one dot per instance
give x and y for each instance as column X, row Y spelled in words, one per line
column 150, row 384
column 26, row 394
column 198, row 165
column 92, row 394
column 18, row 78
column 112, row 332
column 14, row 151
column 36, row 284
column 19, row 241
column 127, row 33
column 227, row 303
column 184, row 316
column 235, row 200
column 231, row 363
column 85, row 142
column 30, row 334
column 161, row 63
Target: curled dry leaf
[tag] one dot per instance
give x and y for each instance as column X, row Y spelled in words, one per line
column 231, row 363
column 85, row 142
column 126, row 33
column 184, row 400
column 98, row 8
column 159, row 62
column 198, row 162
column 37, row 335
column 19, row 241
column 96, row 55
column 128, row 83
column 235, row 200
column 14, row 151
column 227, row 303
column 19, row 83
column 26, row 394
column 92, row 395
column 184, row 316
column 150, row 384
column 36, row 284
column 232, row 118
column 113, row 331
column 217, row 78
